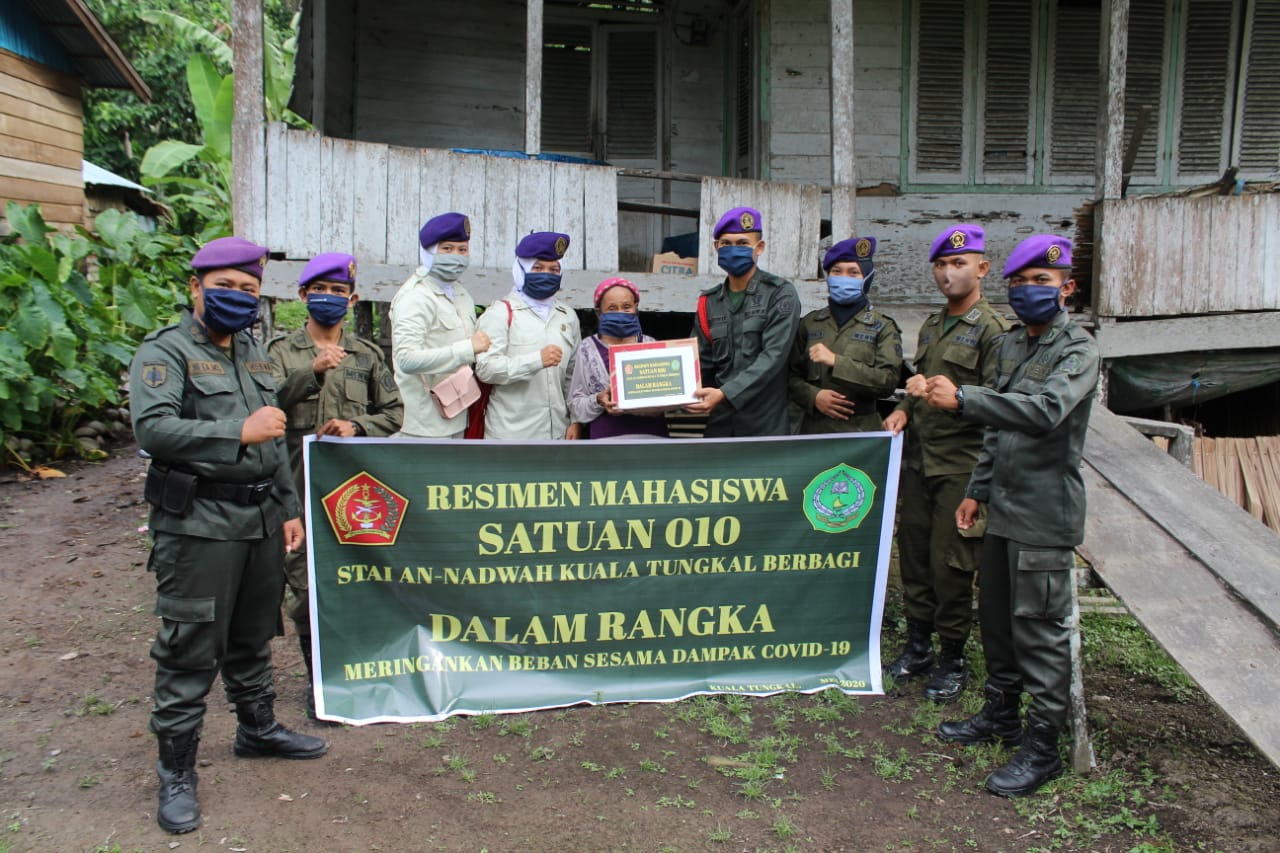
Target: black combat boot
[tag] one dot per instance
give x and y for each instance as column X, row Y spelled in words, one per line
column 951, row 674
column 260, row 735
column 997, row 722
column 179, row 809
column 1036, row 763
column 917, row 654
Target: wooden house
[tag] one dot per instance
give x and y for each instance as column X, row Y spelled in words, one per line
column 49, row 51
column 885, row 117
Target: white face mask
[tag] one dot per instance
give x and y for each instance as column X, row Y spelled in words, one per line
column 449, row 267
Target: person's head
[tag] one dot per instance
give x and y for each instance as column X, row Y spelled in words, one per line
column 328, row 286
column 1039, row 276
column 617, row 296
column 739, row 240
column 445, row 245
column 850, row 266
column 227, row 283
column 537, row 270
column 959, row 262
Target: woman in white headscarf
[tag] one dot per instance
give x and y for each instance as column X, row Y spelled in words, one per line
column 534, row 342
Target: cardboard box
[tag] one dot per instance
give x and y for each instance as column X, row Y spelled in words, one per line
column 669, row 263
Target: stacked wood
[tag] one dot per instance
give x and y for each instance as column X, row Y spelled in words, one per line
column 1246, row 471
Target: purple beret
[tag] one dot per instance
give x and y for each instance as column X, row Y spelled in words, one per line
column 859, row 249
column 233, row 253
column 740, row 220
column 958, row 240
column 543, row 245
column 331, row 266
column 453, row 227
column 1039, row 250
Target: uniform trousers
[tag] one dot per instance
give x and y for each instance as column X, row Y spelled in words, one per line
column 1024, row 607
column 936, row 560
column 219, row 602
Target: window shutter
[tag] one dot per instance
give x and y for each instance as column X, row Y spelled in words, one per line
column 743, row 88
column 940, row 85
column 1260, row 114
column 1143, row 77
column 1007, row 88
column 631, row 115
column 1073, row 142
column 566, row 89
column 1208, row 58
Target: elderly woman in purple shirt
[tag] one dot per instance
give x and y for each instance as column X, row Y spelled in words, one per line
column 617, row 303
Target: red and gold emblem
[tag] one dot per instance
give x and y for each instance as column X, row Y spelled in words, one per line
column 365, row 511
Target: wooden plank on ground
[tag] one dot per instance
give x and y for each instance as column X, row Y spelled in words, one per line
column 1213, row 636
column 1244, row 554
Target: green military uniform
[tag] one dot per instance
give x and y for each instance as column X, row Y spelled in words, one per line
column 937, row 561
column 1028, row 474
column 361, row 389
column 744, row 349
column 868, row 350
column 219, row 561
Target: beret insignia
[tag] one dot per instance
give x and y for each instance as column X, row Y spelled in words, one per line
column 466, row 226
column 562, row 246
column 863, row 248
column 351, row 270
column 957, row 239
column 1053, row 254
column 747, row 221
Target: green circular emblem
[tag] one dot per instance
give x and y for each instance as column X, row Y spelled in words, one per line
column 839, row 499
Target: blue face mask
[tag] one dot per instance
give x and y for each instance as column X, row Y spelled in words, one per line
column 227, row 311
column 617, row 324
column 541, row 285
column 736, row 260
column 846, row 289
column 1035, row 304
column 328, row 309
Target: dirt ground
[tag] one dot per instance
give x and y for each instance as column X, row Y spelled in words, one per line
column 802, row 773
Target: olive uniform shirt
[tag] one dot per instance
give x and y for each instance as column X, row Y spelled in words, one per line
column 747, row 353
column 868, row 350
column 189, row 399
column 361, row 389
column 937, row 441
column 1036, row 414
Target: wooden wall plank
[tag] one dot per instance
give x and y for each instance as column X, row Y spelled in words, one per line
column 248, row 124
column 338, row 157
column 1168, row 289
column 20, row 189
column 468, row 184
column 276, row 196
column 303, row 238
column 16, row 126
column 36, row 152
column 600, row 218
column 782, row 252
column 43, row 172
column 41, row 95
column 404, row 169
column 437, row 172
column 810, row 230
column 1248, row 259
column 371, row 202
column 533, row 207
column 40, row 114
column 502, row 188
column 41, row 75
column 1268, row 242
column 567, row 203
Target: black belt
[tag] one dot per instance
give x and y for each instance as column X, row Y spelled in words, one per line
column 241, row 493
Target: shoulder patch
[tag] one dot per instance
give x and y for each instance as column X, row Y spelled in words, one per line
column 205, row 368
column 388, row 382
column 973, row 316
column 785, row 305
column 154, row 373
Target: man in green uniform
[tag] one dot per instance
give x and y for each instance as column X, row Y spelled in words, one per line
column 938, row 561
column 848, row 355
column 744, row 326
column 1028, row 474
column 224, row 513
column 330, row 383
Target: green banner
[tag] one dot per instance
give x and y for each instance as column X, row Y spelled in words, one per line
column 475, row 577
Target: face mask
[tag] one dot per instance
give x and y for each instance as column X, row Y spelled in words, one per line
column 736, row 260
column 1035, row 304
column 617, row 324
column 227, row 311
column 541, row 285
column 845, row 289
column 449, row 267
column 327, row 309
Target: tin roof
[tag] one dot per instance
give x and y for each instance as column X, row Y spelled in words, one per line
column 95, row 55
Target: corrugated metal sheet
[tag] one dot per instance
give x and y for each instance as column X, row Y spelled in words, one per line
column 96, row 58
column 22, row 33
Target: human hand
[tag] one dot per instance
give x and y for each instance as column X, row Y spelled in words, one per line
column 293, row 535
column 551, row 355
column 605, row 399
column 338, row 427
column 966, row 514
column 574, row 432
column 328, row 358
column 822, row 354
column 263, row 425
column 941, row 393
column 708, row 399
column 480, row 341
column 833, row 404
column 918, row 385
column 896, row 422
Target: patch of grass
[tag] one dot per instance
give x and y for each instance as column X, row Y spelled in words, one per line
column 484, row 721
column 1119, row 642
column 542, row 753
column 518, row 726
column 486, row 797
column 676, row 802
column 783, row 827
column 719, row 835
column 89, row 780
